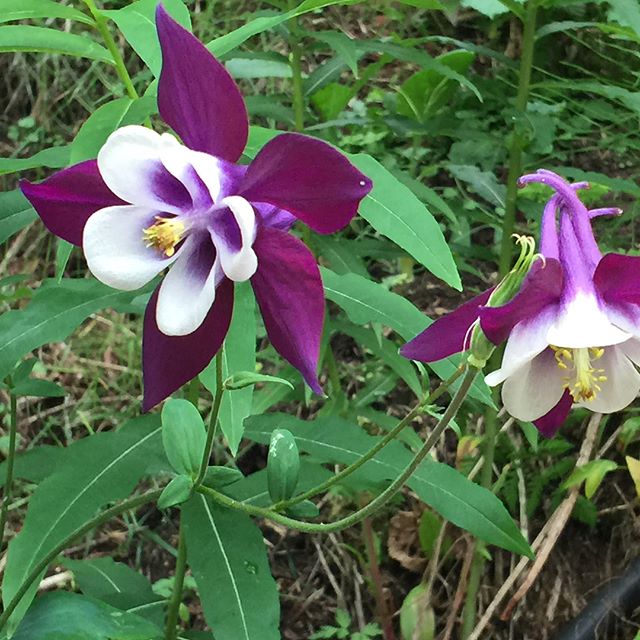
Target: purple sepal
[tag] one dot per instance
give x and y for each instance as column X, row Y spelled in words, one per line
column 617, row 278
column 290, row 295
column 446, row 335
column 549, row 423
column 197, row 97
column 541, row 287
column 66, row 199
column 308, row 178
column 168, row 362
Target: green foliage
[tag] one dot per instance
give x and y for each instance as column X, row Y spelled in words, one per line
column 342, row 630
column 283, row 465
column 183, row 436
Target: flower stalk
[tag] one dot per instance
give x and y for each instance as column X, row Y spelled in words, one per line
column 171, row 631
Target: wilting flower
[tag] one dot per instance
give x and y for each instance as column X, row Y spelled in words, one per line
column 572, row 330
column 150, row 202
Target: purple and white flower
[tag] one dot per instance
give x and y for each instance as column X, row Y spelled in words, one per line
column 152, row 202
column 573, row 329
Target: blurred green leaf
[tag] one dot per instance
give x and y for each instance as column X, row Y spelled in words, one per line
column 15, row 213
column 30, row 9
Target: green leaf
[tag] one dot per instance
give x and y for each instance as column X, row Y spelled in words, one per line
column 239, row 355
column 29, row 9
column 176, row 492
column 592, row 474
column 283, row 465
column 15, row 213
column 484, row 183
column 331, row 100
column 626, row 13
column 342, row 44
column 395, row 212
column 53, row 158
column 138, row 25
column 256, row 67
column 63, row 253
column 39, row 388
column 69, row 616
column 53, row 313
column 105, row 120
column 365, row 301
column 217, row 477
column 226, row 553
column 104, row 468
column 183, row 436
column 43, row 40
column 455, row 497
column 244, row 379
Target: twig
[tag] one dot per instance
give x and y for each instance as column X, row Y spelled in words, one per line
column 460, row 591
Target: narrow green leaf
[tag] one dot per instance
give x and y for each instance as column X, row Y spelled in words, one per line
column 484, row 183
column 43, row 40
column 183, row 436
column 244, row 379
column 454, row 496
column 39, row 388
column 342, row 44
column 15, row 213
column 138, row 25
column 226, row 553
column 242, row 68
column 393, row 210
column 111, row 466
column 53, row 313
column 53, row 158
column 63, row 253
column 30, row 9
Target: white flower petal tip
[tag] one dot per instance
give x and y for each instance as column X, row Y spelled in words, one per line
column 239, row 264
column 114, row 247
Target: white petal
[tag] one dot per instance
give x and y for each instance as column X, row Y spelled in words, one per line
column 534, row 389
column 189, row 289
column 631, row 348
column 199, row 172
column 583, row 323
column 114, row 247
column 130, row 164
column 621, row 386
column 239, row 263
column 525, row 342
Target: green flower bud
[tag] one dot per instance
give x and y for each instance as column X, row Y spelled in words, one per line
column 283, row 465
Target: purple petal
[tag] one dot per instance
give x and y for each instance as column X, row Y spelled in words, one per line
column 541, row 287
column 308, row 178
column 446, row 335
column 290, row 295
column 272, row 216
column 197, row 97
column 65, row 200
column 617, row 278
column 549, row 424
column 168, row 362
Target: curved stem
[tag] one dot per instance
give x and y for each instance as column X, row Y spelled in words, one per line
column 171, row 631
column 213, row 420
column 376, row 503
column 101, row 24
column 116, row 510
column 383, row 442
column 8, row 483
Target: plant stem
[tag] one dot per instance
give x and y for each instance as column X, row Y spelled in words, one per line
column 171, row 632
column 8, row 482
column 296, row 71
column 376, row 503
column 517, row 141
column 213, row 420
column 34, row 574
column 101, row 25
column 383, row 442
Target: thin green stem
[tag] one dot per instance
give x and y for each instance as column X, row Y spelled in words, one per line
column 377, row 502
column 8, row 482
column 213, row 420
column 171, row 631
column 34, row 574
column 517, row 141
column 296, row 71
column 383, row 442
column 103, row 28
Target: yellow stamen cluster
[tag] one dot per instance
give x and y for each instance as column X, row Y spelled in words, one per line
column 583, row 379
column 164, row 234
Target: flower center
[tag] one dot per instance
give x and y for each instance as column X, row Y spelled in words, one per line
column 164, row 234
column 583, row 378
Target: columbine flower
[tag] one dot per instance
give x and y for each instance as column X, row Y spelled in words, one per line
column 149, row 203
column 571, row 330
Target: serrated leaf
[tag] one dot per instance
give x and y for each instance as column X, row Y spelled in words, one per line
column 43, row 40
column 183, row 436
column 53, row 313
column 111, row 466
column 69, row 616
column 454, row 496
column 29, row 9
column 15, row 213
column 226, row 553
column 395, row 212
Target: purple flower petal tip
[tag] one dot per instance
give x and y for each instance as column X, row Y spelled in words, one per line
column 197, row 97
column 549, row 424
